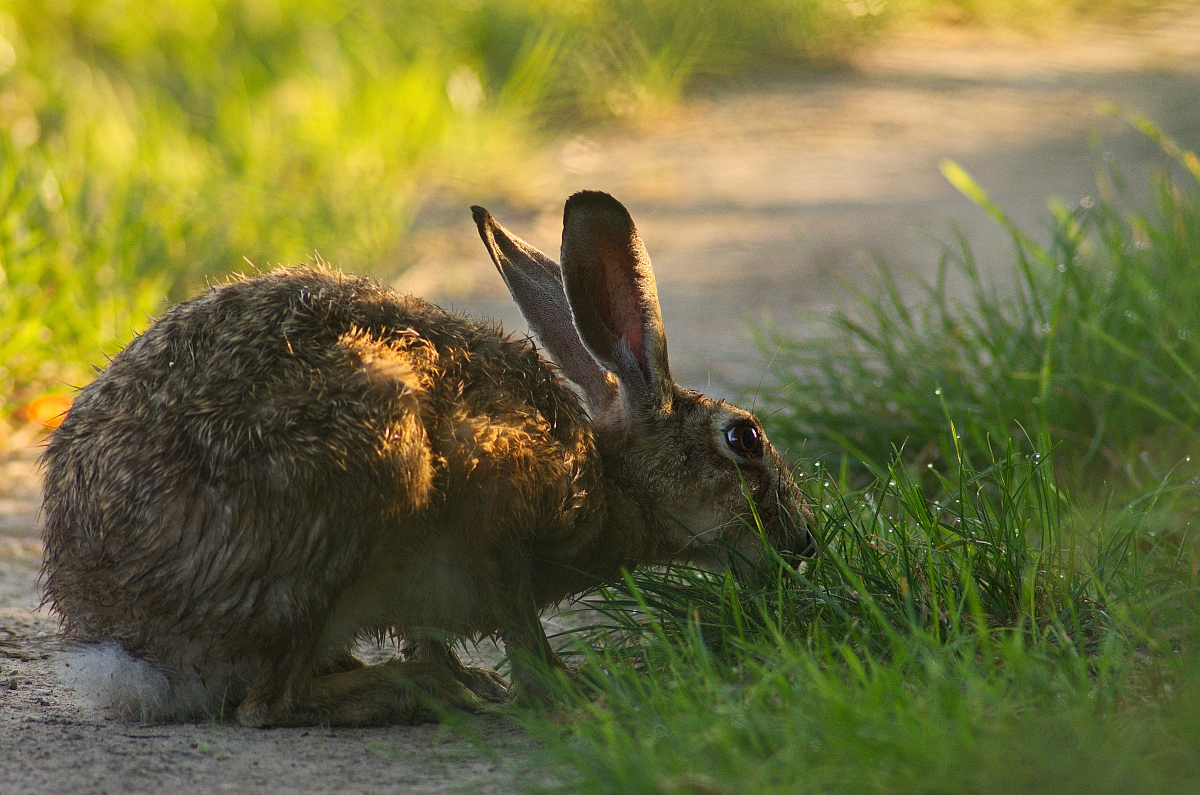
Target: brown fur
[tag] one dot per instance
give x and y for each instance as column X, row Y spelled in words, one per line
column 291, row 461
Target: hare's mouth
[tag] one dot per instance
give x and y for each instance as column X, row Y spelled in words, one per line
column 717, row 541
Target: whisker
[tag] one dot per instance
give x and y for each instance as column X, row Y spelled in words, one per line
column 766, row 371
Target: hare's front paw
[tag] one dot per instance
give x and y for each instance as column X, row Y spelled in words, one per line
column 545, row 685
column 484, row 684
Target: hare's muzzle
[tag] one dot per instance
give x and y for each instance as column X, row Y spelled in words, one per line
column 798, row 537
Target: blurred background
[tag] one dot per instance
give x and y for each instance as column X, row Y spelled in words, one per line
column 771, row 151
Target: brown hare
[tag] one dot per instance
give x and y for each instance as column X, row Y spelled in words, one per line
column 289, row 462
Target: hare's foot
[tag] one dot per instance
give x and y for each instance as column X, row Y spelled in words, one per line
column 483, row 683
column 393, row 692
column 538, row 673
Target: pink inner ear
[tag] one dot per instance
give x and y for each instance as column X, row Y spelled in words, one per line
column 620, row 306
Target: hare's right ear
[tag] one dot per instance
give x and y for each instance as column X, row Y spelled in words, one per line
column 536, row 284
column 610, row 285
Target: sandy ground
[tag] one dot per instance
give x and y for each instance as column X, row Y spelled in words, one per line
column 750, row 203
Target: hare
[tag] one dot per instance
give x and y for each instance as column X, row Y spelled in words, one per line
column 290, row 462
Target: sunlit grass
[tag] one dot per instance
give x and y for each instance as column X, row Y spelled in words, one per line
column 147, row 146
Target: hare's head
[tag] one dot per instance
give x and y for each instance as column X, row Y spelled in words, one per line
column 700, row 470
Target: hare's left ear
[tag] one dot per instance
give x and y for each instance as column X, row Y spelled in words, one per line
column 536, row 284
column 611, row 288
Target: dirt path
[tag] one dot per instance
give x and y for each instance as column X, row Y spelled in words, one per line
column 748, row 202
column 752, row 202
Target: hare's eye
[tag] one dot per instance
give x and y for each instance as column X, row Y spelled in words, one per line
column 744, row 438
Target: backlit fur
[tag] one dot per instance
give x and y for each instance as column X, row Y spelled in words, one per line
column 289, row 462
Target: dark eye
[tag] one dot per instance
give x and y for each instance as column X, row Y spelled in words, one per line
column 744, row 438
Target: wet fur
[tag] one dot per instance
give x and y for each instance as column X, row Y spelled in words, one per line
column 290, row 462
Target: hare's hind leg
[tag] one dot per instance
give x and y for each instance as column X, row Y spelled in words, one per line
column 484, row 684
column 399, row 691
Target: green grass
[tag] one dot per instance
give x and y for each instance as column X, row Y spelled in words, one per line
column 147, row 146
column 1097, row 345
column 992, row 610
column 998, row 639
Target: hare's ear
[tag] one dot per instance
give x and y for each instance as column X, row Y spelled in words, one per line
column 536, row 284
column 612, row 292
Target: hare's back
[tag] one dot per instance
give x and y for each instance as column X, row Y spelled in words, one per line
column 236, row 459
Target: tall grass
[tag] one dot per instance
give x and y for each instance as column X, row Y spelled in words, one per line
column 73, row 278
column 1096, row 344
column 972, row 623
column 997, row 639
column 995, row 551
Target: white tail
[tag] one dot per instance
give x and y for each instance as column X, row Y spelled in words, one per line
column 120, row 685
